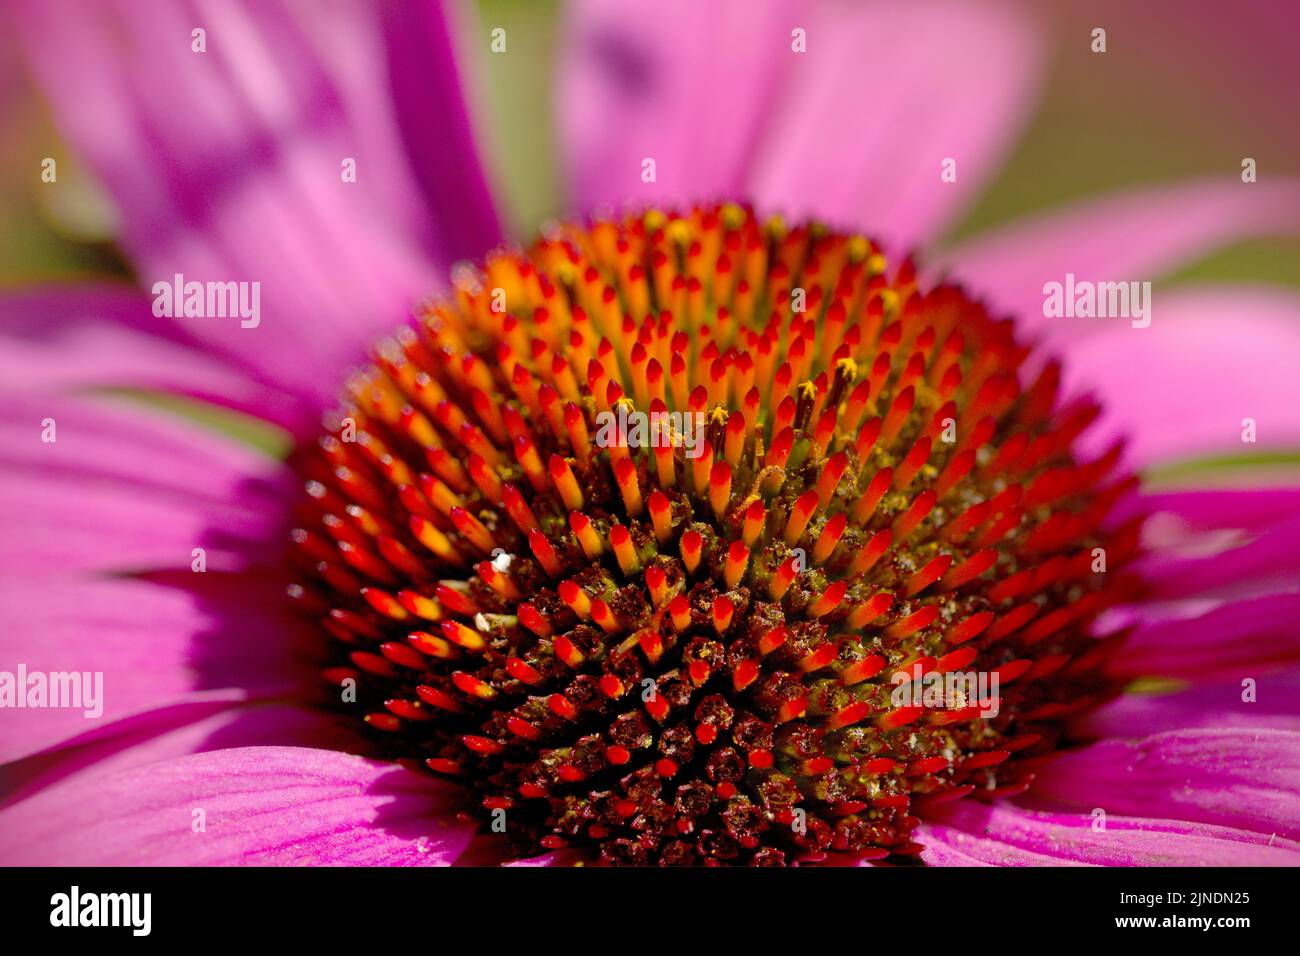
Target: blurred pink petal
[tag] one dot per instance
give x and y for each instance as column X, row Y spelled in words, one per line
column 1184, row 385
column 716, row 96
column 1266, row 564
column 1217, row 704
column 687, row 84
column 124, row 487
column 261, row 806
column 154, row 645
column 1135, row 235
column 969, row 833
column 885, row 94
column 1241, row 639
column 269, row 205
column 1214, row 509
column 425, row 92
column 61, row 338
column 1211, row 545
column 1245, row 779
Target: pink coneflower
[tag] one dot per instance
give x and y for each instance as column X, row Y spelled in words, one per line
column 539, row 645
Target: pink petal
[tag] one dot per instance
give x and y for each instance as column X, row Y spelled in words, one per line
column 1236, row 640
column 428, row 101
column 1264, row 565
column 261, row 806
column 716, row 95
column 195, row 725
column 884, row 96
column 968, row 833
column 152, row 644
column 58, row 339
column 1246, row 509
column 566, row 857
column 1244, row 779
column 1137, row 235
column 337, row 261
column 490, row 849
column 124, row 487
column 1209, row 546
column 1214, row 704
column 1201, row 375
column 684, row 83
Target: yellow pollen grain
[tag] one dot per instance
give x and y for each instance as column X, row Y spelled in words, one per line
column 889, row 301
column 732, row 216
